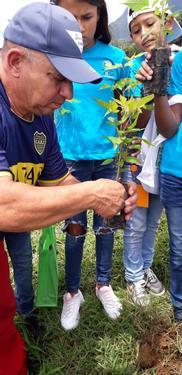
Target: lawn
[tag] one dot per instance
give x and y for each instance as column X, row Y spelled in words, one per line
column 142, row 341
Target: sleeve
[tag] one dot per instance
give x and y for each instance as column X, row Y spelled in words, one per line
column 55, row 168
column 4, row 165
column 175, row 86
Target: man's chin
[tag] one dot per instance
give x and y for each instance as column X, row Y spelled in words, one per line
column 47, row 110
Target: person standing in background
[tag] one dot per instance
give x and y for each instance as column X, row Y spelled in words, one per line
column 82, row 132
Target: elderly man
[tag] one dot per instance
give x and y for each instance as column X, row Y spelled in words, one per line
column 40, row 58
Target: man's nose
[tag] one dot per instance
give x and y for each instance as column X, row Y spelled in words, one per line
column 66, row 89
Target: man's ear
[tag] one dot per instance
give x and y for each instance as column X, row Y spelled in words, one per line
column 14, row 61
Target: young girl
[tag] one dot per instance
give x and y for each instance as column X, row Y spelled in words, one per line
column 139, row 236
column 169, row 122
column 85, row 125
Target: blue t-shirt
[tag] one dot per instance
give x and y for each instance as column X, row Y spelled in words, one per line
column 29, row 150
column 171, row 161
column 134, row 67
column 83, row 128
column 175, row 86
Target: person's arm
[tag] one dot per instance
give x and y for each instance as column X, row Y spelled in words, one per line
column 130, row 202
column 24, row 207
column 167, row 117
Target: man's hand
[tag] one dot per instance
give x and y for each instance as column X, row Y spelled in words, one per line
column 111, row 197
column 130, row 202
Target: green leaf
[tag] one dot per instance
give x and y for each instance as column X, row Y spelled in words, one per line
column 116, row 141
column 136, row 6
column 63, row 111
column 136, row 147
column 147, row 142
column 106, row 86
column 110, row 66
column 132, row 160
column 107, row 161
column 102, row 103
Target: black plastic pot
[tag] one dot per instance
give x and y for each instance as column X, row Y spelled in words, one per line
column 118, row 221
column 159, row 63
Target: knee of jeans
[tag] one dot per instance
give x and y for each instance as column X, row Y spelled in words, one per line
column 75, row 229
column 103, row 230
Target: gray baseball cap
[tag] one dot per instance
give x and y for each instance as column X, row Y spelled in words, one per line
column 55, row 32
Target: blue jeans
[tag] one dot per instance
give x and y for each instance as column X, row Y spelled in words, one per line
column 86, row 170
column 20, row 251
column 139, row 239
column 171, row 196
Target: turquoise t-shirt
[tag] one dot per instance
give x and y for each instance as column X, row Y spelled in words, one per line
column 134, row 67
column 171, row 161
column 175, row 86
column 83, row 127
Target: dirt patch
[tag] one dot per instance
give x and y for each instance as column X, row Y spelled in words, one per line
column 162, row 351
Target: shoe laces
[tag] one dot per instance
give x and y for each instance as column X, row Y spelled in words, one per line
column 151, row 277
column 140, row 287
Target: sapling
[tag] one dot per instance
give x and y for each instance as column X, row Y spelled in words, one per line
column 123, row 113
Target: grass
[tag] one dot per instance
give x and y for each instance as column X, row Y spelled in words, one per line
column 99, row 345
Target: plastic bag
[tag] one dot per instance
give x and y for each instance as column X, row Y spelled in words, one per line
column 149, row 175
column 47, row 289
column 150, row 154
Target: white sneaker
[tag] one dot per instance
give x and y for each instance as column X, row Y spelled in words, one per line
column 70, row 313
column 138, row 293
column 110, row 302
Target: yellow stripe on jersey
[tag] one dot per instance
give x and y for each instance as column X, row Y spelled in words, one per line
column 43, row 182
column 27, row 172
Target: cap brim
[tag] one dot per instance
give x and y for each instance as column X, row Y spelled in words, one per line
column 76, row 70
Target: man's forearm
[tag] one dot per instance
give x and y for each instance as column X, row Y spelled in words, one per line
column 24, row 207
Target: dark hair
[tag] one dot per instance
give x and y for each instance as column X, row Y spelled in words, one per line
column 102, row 31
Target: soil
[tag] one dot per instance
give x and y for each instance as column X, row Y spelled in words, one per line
column 162, row 351
column 118, row 221
column 159, row 62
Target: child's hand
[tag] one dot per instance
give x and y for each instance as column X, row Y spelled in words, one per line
column 145, row 72
column 134, row 148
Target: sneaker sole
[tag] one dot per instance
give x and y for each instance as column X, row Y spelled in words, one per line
column 111, row 317
column 76, row 321
column 73, row 327
column 156, row 294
